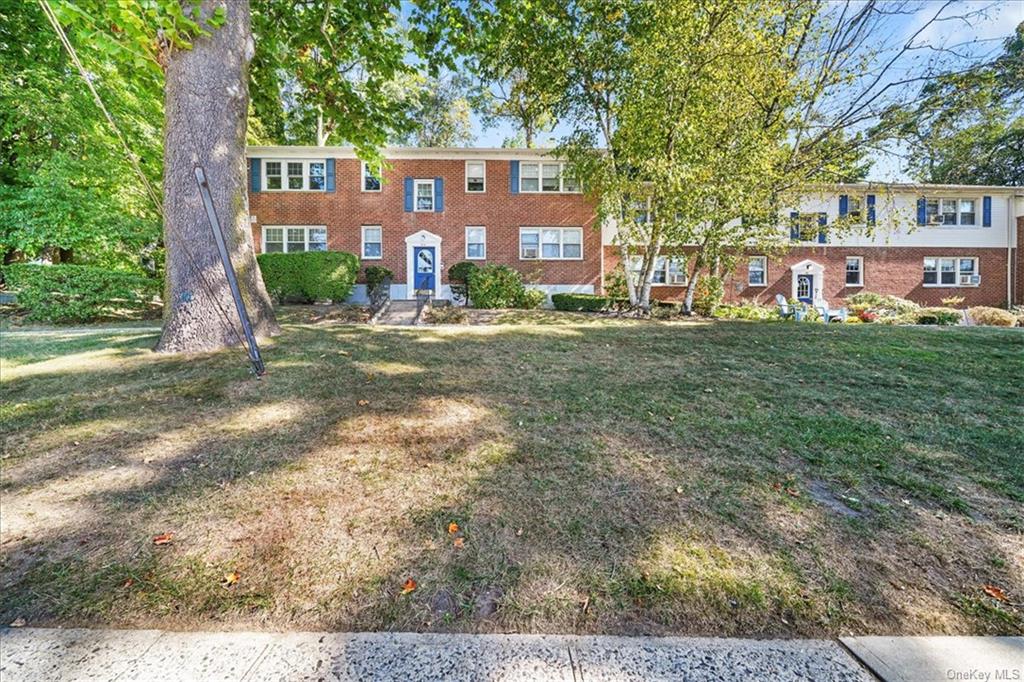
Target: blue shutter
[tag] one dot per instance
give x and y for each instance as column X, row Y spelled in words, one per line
column 844, row 205
column 871, row 209
column 986, row 211
column 513, row 177
column 438, row 195
column 330, row 175
column 254, row 174
column 794, row 226
column 822, row 222
column 922, row 211
column 408, row 195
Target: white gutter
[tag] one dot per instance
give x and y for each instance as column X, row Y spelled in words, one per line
column 1011, row 224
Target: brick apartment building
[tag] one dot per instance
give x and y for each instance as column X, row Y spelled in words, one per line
column 431, row 208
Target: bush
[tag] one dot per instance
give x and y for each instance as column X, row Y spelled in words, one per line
column 747, row 310
column 992, row 317
column 939, row 316
column 615, row 283
column 462, row 271
column 499, row 286
column 708, row 296
column 376, row 275
column 589, row 303
column 79, row 293
column 881, row 305
column 309, row 276
column 666, row 310
column 953, row 301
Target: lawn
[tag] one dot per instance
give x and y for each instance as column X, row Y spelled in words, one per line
column 605, row 476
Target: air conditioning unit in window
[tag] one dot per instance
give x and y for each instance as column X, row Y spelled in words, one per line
column 935, row 220
column 970, row 280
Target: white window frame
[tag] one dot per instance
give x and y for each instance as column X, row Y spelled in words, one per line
column 364, row 174
column 284, row 237
column 860, row 271
column 284, row 174
column 764, row 271
column 416, row 195
column 862, row 208
column 540, row 178
column 959, row 212
column 484, row 243
column 540, row 241
column 483, row 176
column 363, row 242
column 958, row 274
column 636, row 262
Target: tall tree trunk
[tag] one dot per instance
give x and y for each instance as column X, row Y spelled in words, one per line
column 206, row 101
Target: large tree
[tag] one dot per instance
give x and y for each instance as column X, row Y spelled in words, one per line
column 338, row 57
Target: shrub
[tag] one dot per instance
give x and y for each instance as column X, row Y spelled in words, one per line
column 746, row 310
column 310, row 275
column 79, row 293
column 499, row 286
column 589, row 303
column 615, row 283
column 992, row 317
column 666, row 310
column 462, row 271
column 709, row 294
column 939, row 316
column 953, row 301
column 376, row 275
column 865, row 315
column 882, row 305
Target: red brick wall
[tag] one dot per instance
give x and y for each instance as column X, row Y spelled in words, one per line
column 887, row 270
column 347, row 209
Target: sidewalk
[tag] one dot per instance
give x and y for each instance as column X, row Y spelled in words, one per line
column 36, row 654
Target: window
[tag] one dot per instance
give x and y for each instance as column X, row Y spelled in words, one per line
column 668, row 271
column 951, row 212
column 424, row 193
column 757, row 269
column 550, row 243
column 476, row 243
column 291, row 239
column 951, row 272
column 476, row 174
column 295, row 176
column 371, row 179
column 854, row 271
column 855, row 209
column 371, row 242
column 807, row 227
column 546, row 177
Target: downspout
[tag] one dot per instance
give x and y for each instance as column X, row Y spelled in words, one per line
column 1011, row 224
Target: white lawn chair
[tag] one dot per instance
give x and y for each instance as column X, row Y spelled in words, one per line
column 786, row 311
column 829, row 314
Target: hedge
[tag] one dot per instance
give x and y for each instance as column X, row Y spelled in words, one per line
column 79, row 293
column 590, row 303
column 499, row 286
column 992, row 317
column 309, row 275
column 939, row 316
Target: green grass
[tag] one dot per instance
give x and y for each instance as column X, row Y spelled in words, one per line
column 607, row 476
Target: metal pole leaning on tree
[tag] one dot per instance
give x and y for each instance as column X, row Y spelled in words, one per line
column 229, row 271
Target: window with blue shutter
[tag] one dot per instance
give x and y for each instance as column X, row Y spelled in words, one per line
column 844, row 205
column 871, row 209
column 254, row 174
column 330, row 175
column 794, row 226
column 408, row 195
column 986, row 211
column 822, row 222
column 922, row 211
column 438, row 195
column 513, row 177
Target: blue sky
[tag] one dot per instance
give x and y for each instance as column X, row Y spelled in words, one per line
column 996, row 20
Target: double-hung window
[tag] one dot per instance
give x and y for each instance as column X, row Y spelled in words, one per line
column 951, row 272
column 476, row 243
column 666, row 271
column 372, row 242
column 292, row 239
column 854, row 271
column 424, row 195
column 546, row 177
column 295, row 176
column 370, row 178
column 855, row 209
column 952, row 212
column 757, row 271
column 550, row 243
column 476, row 176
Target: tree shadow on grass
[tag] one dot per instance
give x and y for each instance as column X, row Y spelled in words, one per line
column 666, row 492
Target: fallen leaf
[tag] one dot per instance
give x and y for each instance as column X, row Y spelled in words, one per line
column 363, row 403
column 408, row 586
column 231, row 578
column 163, row 539
column 453, row 528
column 18, row 623
column 679, row 490
column 519, row 532
column 128, row 583
column 776, row 486
column 459, row 543
column 792, row 492
column 995, row 593
column 343, row 352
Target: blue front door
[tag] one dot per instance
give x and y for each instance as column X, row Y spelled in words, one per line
column 423, row 268
column 805, row 288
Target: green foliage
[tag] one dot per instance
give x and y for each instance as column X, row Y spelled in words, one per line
column 992, row 317
column 462, row 271
column 709, row 294
column 939, row 316
column 881, row 305
column 441, row 110
column 589, row 303
column 375, row 276
column 747, row 310
column 615, row 283
column 499, row 286
column 309, row 276
column 79, row 293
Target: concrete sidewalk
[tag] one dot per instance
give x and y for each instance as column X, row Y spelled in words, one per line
column 152, row 655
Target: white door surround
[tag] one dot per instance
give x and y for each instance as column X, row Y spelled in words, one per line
column 422, row 238
column 808, row 267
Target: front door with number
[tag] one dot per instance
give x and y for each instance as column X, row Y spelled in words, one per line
column 423, row 268
column 805, row 288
